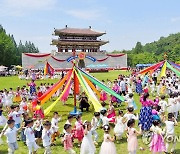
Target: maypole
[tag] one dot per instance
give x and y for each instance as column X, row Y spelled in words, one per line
column 75, row 111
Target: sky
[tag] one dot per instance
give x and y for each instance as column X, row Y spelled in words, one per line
column 124, row 21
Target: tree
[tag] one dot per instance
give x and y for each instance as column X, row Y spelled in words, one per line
column 10, row 52
column 138, row 48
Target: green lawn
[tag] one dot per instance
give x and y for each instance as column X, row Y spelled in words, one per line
column 7, row 82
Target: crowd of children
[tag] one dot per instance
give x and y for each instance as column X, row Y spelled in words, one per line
column 36, row 130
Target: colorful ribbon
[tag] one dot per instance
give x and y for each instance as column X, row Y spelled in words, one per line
column 163, row 70
column 48, row 109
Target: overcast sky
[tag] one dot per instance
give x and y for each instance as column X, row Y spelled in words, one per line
column 125, row 21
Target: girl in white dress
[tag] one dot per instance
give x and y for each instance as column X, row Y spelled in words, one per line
column 8, row 99
column 119, row 127
column 108, row 146
column 170, row 108
column 87, row 146
column 3, row 120
column 176, row 105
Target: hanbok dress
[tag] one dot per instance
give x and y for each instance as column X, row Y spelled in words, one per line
column 103, row 96
column 111, row 114
column 32, row 86
column 115, row 89
column 79, row 130
column 17, row 97
column 139, row 89
column 157, row 143
column 145, row 117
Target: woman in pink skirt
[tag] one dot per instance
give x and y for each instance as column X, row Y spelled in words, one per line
column 132, row 137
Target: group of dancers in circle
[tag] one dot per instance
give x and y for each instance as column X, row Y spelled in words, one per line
column 157, row 118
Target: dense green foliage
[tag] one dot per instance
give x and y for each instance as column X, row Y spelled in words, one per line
column 10, row 52
column 154, row 51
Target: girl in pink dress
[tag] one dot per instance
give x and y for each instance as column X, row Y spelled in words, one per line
column 132, row 137
column 111, row 113
column 79, row 130
column 68, row 144
column 157, row 144
column 108, row 146
column 115, row 89
column 103, row 96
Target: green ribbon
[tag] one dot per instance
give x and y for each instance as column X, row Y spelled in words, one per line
column 173, row 69
column 102, row 86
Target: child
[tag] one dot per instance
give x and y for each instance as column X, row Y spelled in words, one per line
column 69, row 121
column 23, row 105
column 32, row 86
column 105, row 119
column 163, row 104
column 119, row 127
column 158, row 89
column 95, row 123
column 8, row 99
column 132, row 137
column 46, row 137
column 11, row 134
column 155, row 113
column 38, row 110
column 152, row 86
column 38, row 129
column 130, row 115
column 16, row 116
column 130, row 100
column 68, row 145
column 170, row 123
column 24, row 124
column 54, row 126
column 103, row 106
column 111, row 112
column 157, row 142
column 103, row 96
column 87, row 145
column 79, row 130
column 146, row 90
column 170, row 108
column 108, row 146
column 3, row 120
column 30, row 137
column 163, row 89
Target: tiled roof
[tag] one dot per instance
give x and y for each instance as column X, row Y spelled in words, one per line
column 78, row 31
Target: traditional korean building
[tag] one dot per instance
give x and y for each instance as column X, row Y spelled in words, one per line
column 87, row 46
column 85, row 40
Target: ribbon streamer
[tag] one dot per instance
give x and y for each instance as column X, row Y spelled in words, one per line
column 47, row 110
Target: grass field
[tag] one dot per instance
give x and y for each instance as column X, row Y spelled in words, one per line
column 7, row 82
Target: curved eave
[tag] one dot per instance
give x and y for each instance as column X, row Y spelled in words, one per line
column 73, row 43
column 76, row 34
